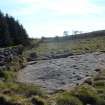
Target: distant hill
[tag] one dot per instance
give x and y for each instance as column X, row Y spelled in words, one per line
column 11, row 32
column 76, row 36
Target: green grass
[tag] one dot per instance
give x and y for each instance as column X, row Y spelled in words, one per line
column 28, row 94
column 20, row 88
column 8, row 75
column 80, row 95
column 12, row 93
column 86, row 93
column 67, row 99
column 75, row 46
column 14, row 100
column 99, row 83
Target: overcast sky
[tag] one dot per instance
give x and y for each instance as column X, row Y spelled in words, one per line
column 52, row 17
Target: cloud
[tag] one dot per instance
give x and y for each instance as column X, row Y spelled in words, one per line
column 52, row 17
column 59, row 7
column 28, row 7
column 78, row 7
column 31, row 1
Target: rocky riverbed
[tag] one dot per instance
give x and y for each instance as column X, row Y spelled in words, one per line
column 62, row 73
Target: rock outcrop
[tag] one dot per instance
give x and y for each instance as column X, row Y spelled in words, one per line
column 58, row 74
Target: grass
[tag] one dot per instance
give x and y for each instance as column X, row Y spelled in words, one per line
column 99, row 84
column 75, row 46
column 12, row 93
column 86, row 93
column 8, row 75
column 14, row 100
column 20, row 88
column 80, row 95
column 80, row 46
column 67, row 99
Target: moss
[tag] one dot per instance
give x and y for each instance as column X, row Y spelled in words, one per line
column 87, row 94
column 67, row 99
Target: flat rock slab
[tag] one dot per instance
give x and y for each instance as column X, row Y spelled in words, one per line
column 60, row 73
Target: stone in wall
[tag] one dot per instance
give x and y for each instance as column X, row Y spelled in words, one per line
column 10, row 55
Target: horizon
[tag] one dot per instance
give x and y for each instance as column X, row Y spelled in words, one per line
column 50, row 18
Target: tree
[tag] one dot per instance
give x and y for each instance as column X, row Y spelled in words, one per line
column 5, row 39
column 12, row 32
column 65, row 33
column 17, row 32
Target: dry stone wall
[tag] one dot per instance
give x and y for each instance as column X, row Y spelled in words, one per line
column 11, row 56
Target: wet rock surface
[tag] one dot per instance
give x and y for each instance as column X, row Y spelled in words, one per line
column 56, row 74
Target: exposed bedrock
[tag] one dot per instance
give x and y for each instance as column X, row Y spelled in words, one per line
column 62, row 73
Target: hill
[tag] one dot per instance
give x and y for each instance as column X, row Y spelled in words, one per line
column 76, row 36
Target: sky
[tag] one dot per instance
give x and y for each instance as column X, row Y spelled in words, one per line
column 52, row 17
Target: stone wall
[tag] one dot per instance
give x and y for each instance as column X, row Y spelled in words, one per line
column 11, row 57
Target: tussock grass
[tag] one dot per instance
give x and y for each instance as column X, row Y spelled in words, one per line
column 67, row 99
column 22, row 89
